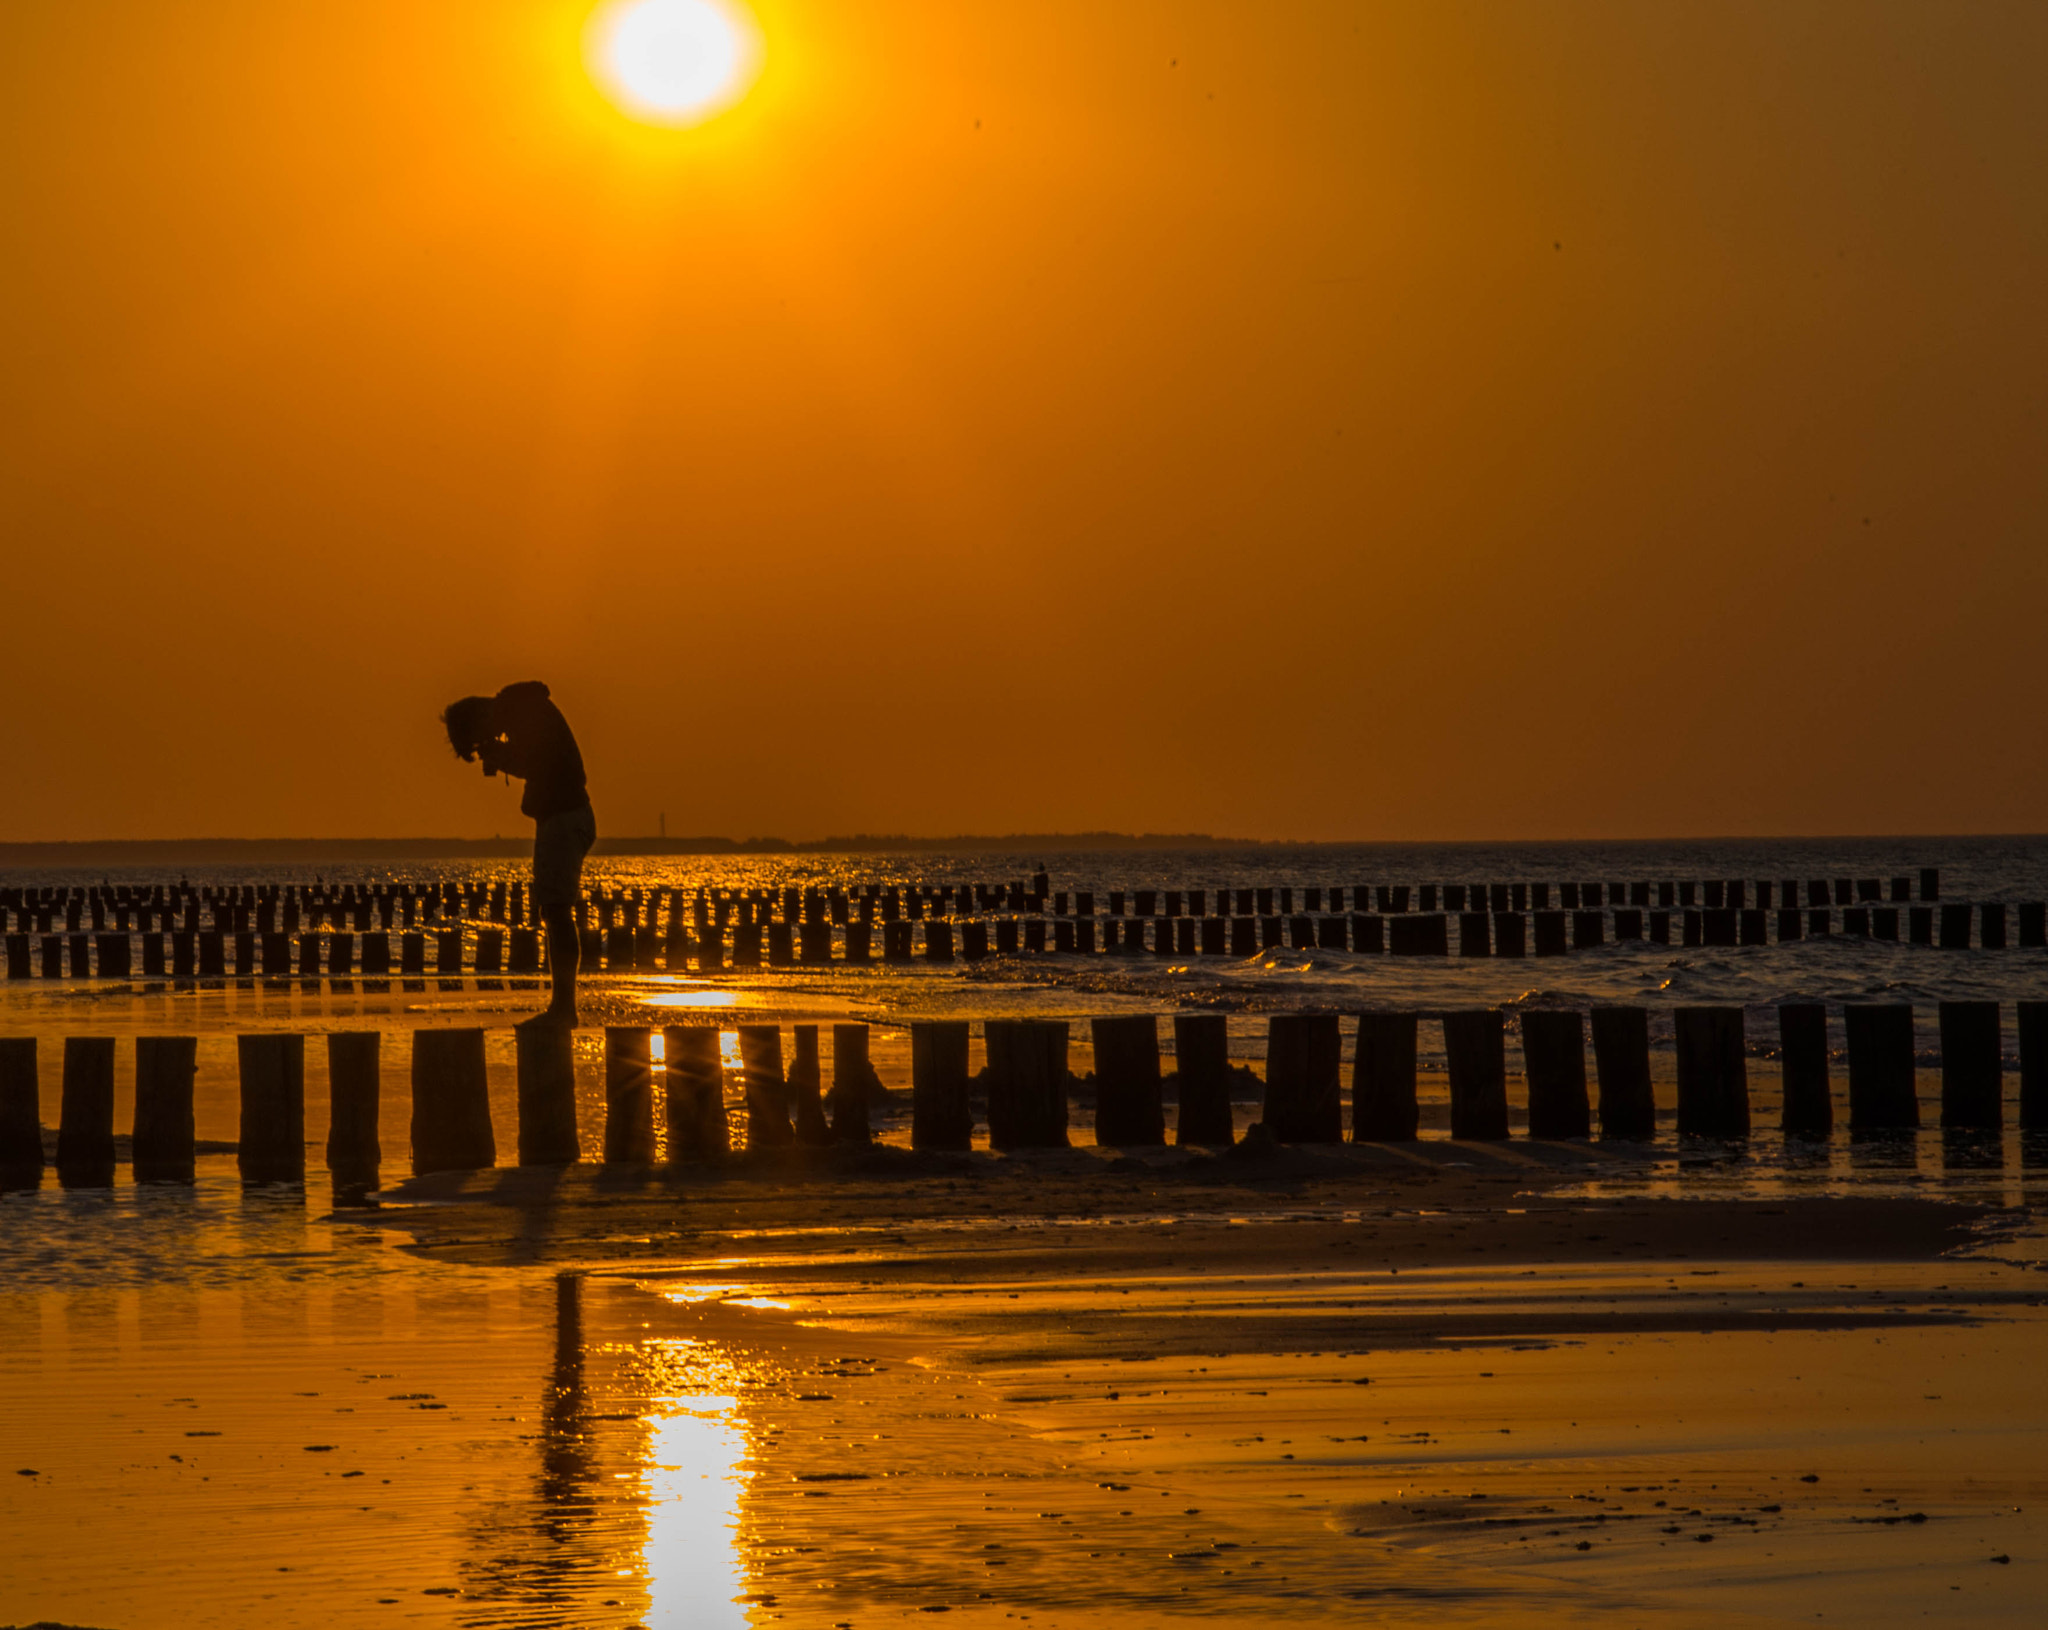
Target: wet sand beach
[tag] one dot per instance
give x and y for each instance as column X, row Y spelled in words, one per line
column 1069, row 1389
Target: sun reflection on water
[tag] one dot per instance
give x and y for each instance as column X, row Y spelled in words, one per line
column 694, row 1483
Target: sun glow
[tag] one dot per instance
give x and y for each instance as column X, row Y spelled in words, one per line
column 673, row 62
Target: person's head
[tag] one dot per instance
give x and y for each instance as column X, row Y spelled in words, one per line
column 470, row 723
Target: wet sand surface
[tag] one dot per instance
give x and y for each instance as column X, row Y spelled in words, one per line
column 1435, row 1383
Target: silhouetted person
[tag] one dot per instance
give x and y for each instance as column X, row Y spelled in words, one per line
column 522, row 733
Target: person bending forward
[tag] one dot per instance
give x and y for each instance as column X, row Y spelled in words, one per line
column 522, row 733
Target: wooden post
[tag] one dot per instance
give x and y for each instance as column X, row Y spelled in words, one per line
column 1201, row 1062
column 163, row 1143
column 854, row 1084
column 114, row 963
column 806, row 1084
column 1990, row 916
column 21, row 1114
column 761, row 1068
column 1621, row 1061
column 1510, row 934
column 1475, row 1050
column 1418, row 936
column 451, row 1103
column 1972, row 1067
column 354, row 1090
column 1554, row 1065
column 1881, row 1088
column 85, row 1128
column 547, row 1095
column 1128, row 1111
column 1303, row 1101
column 1027, row 1083
column 939, row 1114
column 273, row 1124
column 694, row 1065
column 628, row 1095
column 1713, row 1073
column 2033, row 1029
column 1803, row 1056
column 1383, row 1106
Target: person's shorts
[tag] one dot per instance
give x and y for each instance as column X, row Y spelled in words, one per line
column 559, row 844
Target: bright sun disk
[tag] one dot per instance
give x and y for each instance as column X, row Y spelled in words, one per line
column 674, row 62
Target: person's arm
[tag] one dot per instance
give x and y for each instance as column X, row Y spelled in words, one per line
column 507, row 755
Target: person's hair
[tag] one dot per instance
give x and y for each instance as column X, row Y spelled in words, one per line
column 468, row 723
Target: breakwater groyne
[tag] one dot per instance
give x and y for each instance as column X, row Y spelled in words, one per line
column 676, row 1077
column 309, row 931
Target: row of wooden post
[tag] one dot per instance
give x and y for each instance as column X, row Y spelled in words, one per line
column 755, row 944
column 1025, row 1088
column 269, row 908
column 451, row 1114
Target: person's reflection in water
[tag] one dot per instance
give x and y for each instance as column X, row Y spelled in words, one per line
column 544, row 1560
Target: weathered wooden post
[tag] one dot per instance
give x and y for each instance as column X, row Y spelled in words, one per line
column 1621, row 1061
column 85, row 1127
column 1510, row 934
column 854, row 1084
column 1128, row 1109
column 451, row 1103
column 1201, row 1062
column 806, row 1084
column 1809, row 1110
column 761, row 1069
column 1882, row 1096
column 628, row 1095
column 163, row 1144
column 2033, row 1032
column 694, row 1064
column 354, row 1089
column 1554, row 1065
column 272, row 1071
column 1027, row 1083
column 940, row 1117
column 1475, row 1052
column 1304, row 1061
column 1383, row 1106
column 547, row 1095
column 1972, row 1067
column 21, row 1114
column 1713, row 1073
column 1990, row 934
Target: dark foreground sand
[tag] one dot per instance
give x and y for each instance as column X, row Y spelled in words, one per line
column 1434, row 1385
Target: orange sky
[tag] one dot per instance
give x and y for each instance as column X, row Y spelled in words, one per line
column 1309, row 419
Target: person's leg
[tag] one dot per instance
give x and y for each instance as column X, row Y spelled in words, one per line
column 565, row 957
column 559, row 844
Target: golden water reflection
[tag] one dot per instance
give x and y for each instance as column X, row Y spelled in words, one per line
column 694, row 1482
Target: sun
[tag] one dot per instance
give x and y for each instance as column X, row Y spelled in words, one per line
column 673, row 62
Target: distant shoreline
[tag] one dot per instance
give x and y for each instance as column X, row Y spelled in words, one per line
column 137, row 851
column 102, row 852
